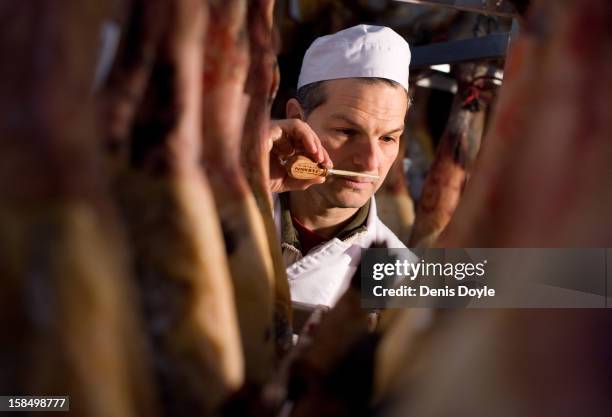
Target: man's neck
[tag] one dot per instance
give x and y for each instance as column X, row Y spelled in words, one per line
column 312, row 211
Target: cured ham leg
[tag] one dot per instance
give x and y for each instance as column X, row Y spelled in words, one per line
column 179, row 254
column 261, row 86
column 545, row 177
column 67, row 309
column 503, row 363
column 223, row 114
column 447, row 175
column 560, row 189
column 125, row 87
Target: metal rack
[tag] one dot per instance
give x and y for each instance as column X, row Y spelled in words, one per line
column 493, row 46
column 489, row 7
column 484, row 47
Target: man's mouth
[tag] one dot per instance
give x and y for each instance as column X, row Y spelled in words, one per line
column 357, row 182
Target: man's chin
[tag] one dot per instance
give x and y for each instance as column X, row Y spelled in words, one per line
column 343, row 196
column 351, row 199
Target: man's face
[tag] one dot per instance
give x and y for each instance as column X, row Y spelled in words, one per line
column 359, row 125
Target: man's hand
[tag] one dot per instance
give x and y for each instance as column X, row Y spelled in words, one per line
column 289, row 137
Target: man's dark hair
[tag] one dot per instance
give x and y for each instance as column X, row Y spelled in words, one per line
column 311, row 96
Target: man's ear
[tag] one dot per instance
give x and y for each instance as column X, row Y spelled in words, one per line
column 294, row 110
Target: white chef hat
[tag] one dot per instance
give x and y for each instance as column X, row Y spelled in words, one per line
column 359, row 51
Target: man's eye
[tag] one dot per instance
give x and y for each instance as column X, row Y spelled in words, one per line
column 346, row 132
column 388, row 139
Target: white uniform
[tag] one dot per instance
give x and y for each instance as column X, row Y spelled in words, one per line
column 324, row 274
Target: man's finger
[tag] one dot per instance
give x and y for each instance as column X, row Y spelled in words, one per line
column 327, row 162
column 296, row 136
column 283, row 148
column 317, row 149
column 307, row 137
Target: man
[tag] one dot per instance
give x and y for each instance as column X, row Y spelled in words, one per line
column 350, row 107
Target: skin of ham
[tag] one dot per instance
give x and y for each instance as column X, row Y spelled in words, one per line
column 508, row 366
column 262, row 83
column 474, row 139
column 67, row 309
column 402, row 332
column 447, row 175
column 508, row 363
column 223, row 113
column 129, row 76
column 533, row 190
column 180, row 259
column 570, row 182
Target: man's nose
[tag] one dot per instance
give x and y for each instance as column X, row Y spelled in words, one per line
column 366, row 159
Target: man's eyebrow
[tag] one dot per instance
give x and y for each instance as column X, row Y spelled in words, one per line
column 399, row 129
column 354, row 124
column 345, row 119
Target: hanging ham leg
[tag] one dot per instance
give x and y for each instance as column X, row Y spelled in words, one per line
column 551, row 187
column 508, row 362
column 544, row 178
column 179, row 251
column 125, row 87
column 67, row 310
column 262, row 83
column 223, row 114
column 447, row 174
column 560, row 188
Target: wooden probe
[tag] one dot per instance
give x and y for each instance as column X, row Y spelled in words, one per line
column 303, row 168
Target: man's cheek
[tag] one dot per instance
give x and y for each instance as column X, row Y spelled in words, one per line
column 333, row 153
column 328, row 142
